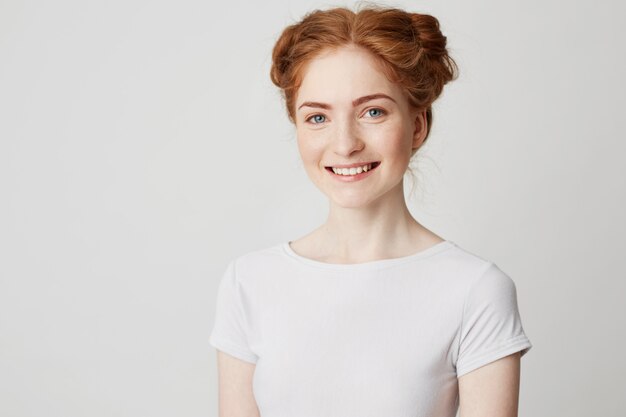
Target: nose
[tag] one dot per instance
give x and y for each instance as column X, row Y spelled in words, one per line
column 347, row 139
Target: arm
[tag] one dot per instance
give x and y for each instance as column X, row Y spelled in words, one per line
column 491, row 390
column 236, row 362
column 235, row 398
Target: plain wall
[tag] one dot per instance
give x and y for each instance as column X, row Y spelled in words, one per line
column 143, row 146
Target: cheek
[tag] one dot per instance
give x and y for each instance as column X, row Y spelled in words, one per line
column 396, row 145
column 310, row 149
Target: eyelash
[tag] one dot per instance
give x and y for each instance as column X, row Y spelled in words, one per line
column 319, row 114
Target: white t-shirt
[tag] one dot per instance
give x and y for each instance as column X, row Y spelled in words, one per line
column 381, row 338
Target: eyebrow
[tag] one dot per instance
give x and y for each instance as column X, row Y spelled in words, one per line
column 355, row 103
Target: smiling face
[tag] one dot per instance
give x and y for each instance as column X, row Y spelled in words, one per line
column 349, row 114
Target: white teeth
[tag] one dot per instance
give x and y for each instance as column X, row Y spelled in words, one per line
column 353, row 170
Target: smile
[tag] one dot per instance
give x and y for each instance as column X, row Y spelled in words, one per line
column 354, row 173
column 353, row 170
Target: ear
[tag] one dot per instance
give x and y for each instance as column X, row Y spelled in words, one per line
column 420, row 129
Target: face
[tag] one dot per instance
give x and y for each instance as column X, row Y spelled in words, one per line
column 348, row 114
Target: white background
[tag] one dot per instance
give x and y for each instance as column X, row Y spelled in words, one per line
column 143, row 146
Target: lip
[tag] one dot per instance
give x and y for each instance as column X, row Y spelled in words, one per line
column 352, row 178
column 356, row 164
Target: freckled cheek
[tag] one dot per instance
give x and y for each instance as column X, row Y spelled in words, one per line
column 311, row 151
column 394, row 146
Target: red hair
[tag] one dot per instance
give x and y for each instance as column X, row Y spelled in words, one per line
column 409, row 46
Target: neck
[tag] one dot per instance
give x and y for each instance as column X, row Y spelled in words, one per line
column 384, row 228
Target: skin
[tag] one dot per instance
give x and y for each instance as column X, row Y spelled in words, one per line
column 235, row 398
column 491, row 390
column 368, row 219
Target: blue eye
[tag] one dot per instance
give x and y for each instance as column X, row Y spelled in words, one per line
column 378, row 110
column 320, row 118
column 314, row 116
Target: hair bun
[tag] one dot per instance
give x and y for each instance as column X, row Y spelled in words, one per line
column 429, row 37
column 436, row 64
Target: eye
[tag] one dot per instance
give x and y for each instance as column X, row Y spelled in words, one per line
column 315, row 117
column 376, row 109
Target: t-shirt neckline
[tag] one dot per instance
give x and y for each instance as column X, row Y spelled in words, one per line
column 436, row 248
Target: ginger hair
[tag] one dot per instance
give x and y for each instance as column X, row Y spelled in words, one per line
column 410, row 48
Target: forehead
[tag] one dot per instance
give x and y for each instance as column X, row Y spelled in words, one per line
column 344, row 74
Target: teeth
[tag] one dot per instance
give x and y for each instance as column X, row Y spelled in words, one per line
column 352, row 171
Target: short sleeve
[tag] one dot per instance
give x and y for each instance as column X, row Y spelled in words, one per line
column 491, row 327
column 230, row 327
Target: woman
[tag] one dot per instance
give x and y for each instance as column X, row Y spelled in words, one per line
column 371, row 314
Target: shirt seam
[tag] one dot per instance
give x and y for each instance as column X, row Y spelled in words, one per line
column 230, row 347
column 521, row 341
column 363, row 266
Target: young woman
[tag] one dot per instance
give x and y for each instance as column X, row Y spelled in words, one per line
column 371, row 314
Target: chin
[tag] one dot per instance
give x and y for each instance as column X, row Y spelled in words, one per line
column 350, row 203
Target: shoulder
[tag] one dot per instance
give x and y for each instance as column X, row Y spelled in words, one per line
column 258, row 261
column 487, row 276
column 461, row 266
column 470, row 276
